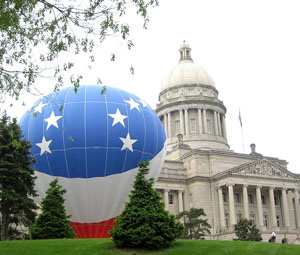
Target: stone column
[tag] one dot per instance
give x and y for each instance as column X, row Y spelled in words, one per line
column 221, row 209
column 186, row 116
column 166, row 199
column 297, row 209
column 181, row 122
column 224, row 127
column 180, row 200
column 246, row 202
column 204, row 121
column 285, row 208
column 200, row 121
column 219, row 124
column 260, row 222
column 166, row 125
column 169, row 125
column 216, row 123
column 232, row 216
column 272, row 208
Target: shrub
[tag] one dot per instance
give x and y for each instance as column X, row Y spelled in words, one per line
column 246, row 231
column 145, row 223
column 53, row 222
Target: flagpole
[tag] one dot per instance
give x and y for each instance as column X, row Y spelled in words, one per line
column 240, row 118
column 243, row 140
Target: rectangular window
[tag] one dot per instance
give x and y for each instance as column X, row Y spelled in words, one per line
column 177, row 126
column 226, row 220
column 266, row 220
column 276, row 200
column 237, row 198
column 263, row 199
column 250, row 199
column 175, row 93
column 252, row 218
column 193, row 126
column 171, row 199
column 224, row 197
column 238, row 217
column 278, row 220
column 190, row 92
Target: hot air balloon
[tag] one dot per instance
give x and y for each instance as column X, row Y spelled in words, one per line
column 92, row 143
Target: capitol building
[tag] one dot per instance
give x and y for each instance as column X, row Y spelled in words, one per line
column 201, row 171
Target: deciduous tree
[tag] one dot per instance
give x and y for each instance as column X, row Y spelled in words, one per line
column 33, row 33
column 245, row 230
column 195, row 226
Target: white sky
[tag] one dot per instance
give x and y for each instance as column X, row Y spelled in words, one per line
column 250, row 48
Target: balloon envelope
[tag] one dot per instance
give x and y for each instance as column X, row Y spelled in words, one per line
column 93, row 143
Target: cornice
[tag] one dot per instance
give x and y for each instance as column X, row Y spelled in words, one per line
column 188, row 86
column 190, row 101
column 230, row 153
column 171, row 180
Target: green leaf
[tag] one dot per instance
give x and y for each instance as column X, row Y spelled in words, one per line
column 103, row 91
column 70, row 138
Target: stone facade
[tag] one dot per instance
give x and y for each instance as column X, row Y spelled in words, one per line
column 201, row 171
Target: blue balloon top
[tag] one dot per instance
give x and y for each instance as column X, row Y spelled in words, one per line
column 86, row 134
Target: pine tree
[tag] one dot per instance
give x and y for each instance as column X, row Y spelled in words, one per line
column 53, row 221
column 195, row 227
column 245, row 230
column 17, row 207
column 145, row 223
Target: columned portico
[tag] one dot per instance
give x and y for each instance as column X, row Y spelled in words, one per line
column 245, row 202
column 285, row 209
column 221, row 208
column 166, row 198
column 232, row 216
column 180, row 200
column 272, row 209
column 297, row 209
column 260, row 222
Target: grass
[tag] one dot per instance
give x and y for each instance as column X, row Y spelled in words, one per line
column 106, row 246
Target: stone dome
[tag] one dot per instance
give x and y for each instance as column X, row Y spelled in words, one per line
column 186, row 72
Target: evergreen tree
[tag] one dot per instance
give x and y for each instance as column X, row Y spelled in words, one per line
column 53, row 221
column 246, row 231
column 195, row 227
column 16, row 179
column 145, row 223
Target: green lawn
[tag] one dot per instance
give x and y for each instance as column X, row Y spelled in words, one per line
column 181, row 247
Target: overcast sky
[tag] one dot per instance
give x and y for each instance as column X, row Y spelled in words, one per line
column 250, row 48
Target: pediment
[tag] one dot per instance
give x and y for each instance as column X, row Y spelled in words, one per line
column 264, row 168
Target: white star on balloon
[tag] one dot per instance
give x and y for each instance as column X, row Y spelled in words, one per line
column 143, row 103
column 39, row 107
column 127, row 142
column 44, row 145
column 133, row 104
column 52, row 120
column 118, row 118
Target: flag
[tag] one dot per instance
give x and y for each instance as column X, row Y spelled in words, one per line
column 240, row 118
